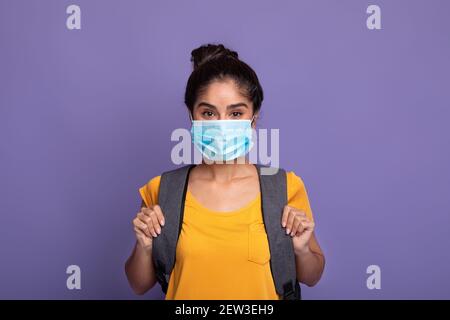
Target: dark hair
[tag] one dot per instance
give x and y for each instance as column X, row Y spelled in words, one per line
column 215, row 62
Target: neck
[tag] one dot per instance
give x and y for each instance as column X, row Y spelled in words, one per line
column 227, row 171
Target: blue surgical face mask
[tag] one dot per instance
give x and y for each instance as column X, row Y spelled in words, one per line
column 222, row 140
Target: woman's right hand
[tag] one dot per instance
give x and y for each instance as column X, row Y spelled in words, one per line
column 147, row 225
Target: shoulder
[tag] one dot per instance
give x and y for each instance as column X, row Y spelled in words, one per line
column 294, row 181
column 297, row 194
column 149, row 191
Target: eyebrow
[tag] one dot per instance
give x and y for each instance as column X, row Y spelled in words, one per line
column 231, row 106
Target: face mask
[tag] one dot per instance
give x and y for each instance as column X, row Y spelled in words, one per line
column 222, row 140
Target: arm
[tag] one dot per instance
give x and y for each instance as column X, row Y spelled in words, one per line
column 139, row 267
column 309, row 258
column 310, row 263
column 140, row 270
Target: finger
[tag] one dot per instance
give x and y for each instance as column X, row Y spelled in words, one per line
column 141, row 226
column 159, row 214
column 139, row 232
column 155, row 222
column 297, row 226
column 146, row 211
column 303, row 217
column 151, row 215
column 144, row 218
column 284, row 216
column 150, row 226
column 147, row 219
column 301, row 213
column 308, row 226
column 290, row 221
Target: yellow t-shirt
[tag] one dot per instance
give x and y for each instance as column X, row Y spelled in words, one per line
column 224, row 255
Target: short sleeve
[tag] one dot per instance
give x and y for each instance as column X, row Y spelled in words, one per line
column 297, row 195
column 149, row 191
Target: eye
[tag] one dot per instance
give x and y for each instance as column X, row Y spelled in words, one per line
column 207, row 113
column 236, row 114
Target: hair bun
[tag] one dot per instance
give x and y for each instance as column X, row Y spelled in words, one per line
column 209, row 52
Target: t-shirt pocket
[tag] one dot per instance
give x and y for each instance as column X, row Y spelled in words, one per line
column 258, row 243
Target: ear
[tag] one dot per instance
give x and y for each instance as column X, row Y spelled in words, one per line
column 255, row 117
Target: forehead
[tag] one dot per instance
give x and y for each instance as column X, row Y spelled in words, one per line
column 222, row 93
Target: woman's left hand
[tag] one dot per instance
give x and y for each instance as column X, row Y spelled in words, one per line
column 299, row 227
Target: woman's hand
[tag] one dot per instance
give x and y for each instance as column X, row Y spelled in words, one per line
column 147, row 225
column 299, row 227
column 139, row 266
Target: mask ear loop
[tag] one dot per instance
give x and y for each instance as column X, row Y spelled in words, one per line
column 253, row 119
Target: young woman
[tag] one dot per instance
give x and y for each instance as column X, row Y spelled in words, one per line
column 223, row 201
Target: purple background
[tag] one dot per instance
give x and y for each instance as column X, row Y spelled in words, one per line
column 86, row 117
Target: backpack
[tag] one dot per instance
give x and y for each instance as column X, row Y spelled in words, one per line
column 172, row 192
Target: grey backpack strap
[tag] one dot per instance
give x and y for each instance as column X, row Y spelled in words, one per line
column 282, row 262
column 172, row 192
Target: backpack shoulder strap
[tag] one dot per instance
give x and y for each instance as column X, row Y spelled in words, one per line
column 273, row 184
column 172, row 192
